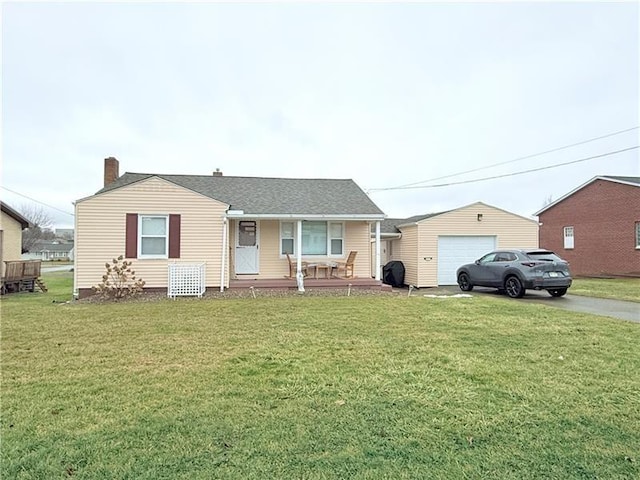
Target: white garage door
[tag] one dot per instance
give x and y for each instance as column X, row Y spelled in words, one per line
column 454, row 251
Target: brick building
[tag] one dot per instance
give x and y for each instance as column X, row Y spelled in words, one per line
column 596, row 227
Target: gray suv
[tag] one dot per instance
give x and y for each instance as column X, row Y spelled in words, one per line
column 516, row 270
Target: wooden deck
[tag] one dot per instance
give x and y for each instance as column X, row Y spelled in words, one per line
column 309, row 282
column 22, row 276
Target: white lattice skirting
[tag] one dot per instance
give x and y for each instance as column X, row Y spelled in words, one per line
column 186, row 280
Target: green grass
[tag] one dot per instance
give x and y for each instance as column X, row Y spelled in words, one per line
column 316, row 388
column 613, row 288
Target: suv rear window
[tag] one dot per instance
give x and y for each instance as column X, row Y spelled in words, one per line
column 543, row 255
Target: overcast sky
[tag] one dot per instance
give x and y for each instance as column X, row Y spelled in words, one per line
column 386, row 94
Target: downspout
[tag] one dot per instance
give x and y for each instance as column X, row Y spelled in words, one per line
column 377, row 250
column 224, row 252
column 299, row 276
column 76, row 293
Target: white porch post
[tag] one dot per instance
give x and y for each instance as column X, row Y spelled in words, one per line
column 299, row 275
column 378, row 250
column 223, row 264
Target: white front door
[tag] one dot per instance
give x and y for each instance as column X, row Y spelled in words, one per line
column 247, row 247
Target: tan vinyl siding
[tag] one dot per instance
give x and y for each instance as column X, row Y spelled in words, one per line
column 11, row 238
column 358, row 238
column 384, row 255
column 406, row 251
column 511, row 231
column 101, row 231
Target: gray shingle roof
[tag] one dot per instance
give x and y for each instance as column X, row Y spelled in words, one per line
column 635, row 180
column 52, row 247
column 390, row 225
column 263, row 196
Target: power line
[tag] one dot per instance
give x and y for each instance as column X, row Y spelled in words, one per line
column 37, row 201
column 520, row 158
column 513, row 174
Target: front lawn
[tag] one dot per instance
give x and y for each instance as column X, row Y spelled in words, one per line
column 316, row 388
column 613, row 288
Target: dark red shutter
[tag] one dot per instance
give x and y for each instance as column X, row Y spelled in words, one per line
column 131, row 236
column 174, row 236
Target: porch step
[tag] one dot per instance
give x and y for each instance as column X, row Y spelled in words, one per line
column 42, row 286
column 289, row 283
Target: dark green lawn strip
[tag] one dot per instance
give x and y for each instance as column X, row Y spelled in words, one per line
column 613, row 288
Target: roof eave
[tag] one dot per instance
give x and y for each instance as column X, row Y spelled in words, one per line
column 589, row 182
column 309, row 216
column 17, row 216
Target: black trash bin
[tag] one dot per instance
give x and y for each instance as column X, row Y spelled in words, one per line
column 393, row 274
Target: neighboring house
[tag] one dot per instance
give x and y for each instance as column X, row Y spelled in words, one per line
column 237, row 227
column 48, row 250
column 11, row 235
column 433, row 246
column 596, row 227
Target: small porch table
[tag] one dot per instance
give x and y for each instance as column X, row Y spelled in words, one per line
column 326, row 267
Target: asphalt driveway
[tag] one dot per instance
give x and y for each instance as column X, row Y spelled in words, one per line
column 619, row 309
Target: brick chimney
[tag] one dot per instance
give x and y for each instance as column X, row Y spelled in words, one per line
column 217, row 173
column 111, row 167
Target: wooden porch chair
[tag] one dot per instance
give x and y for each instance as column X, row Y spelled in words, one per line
column 293, row 265
column 347, row 265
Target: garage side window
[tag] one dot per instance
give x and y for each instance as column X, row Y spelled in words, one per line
column 637, row 234
column 568, row 237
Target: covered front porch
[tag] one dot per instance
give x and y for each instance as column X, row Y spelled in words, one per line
column 315, row 251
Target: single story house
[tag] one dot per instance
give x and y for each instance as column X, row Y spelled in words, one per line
column 233, row 229
column 596, row 227
column 433, row 246
column 11, row 226
column 48, row 250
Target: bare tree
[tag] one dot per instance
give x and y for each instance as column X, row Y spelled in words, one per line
column 40, row 227
column 547, row 201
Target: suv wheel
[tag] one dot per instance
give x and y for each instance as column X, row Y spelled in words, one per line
column 464, row 282
column 514, row 287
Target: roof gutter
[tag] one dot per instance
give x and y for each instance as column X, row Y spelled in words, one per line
column 303, row 216
column 388, row 235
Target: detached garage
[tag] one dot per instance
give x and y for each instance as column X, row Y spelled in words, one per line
column 433, row 246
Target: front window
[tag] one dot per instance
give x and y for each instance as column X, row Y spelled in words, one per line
column 336, row 238
column 568, row 237
column 637, row 234
column 153, row 239
column 318, row 238
column 314, row 238
column 287, row 236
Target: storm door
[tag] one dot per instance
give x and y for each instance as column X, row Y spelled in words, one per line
column 247, row 260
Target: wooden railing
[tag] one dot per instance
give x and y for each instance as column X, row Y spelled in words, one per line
column 21, row 269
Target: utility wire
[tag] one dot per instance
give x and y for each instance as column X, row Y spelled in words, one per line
column 519, row 158
column 37, row 201
column 513, row 174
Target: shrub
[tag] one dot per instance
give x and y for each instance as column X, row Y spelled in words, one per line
column 119, row 281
